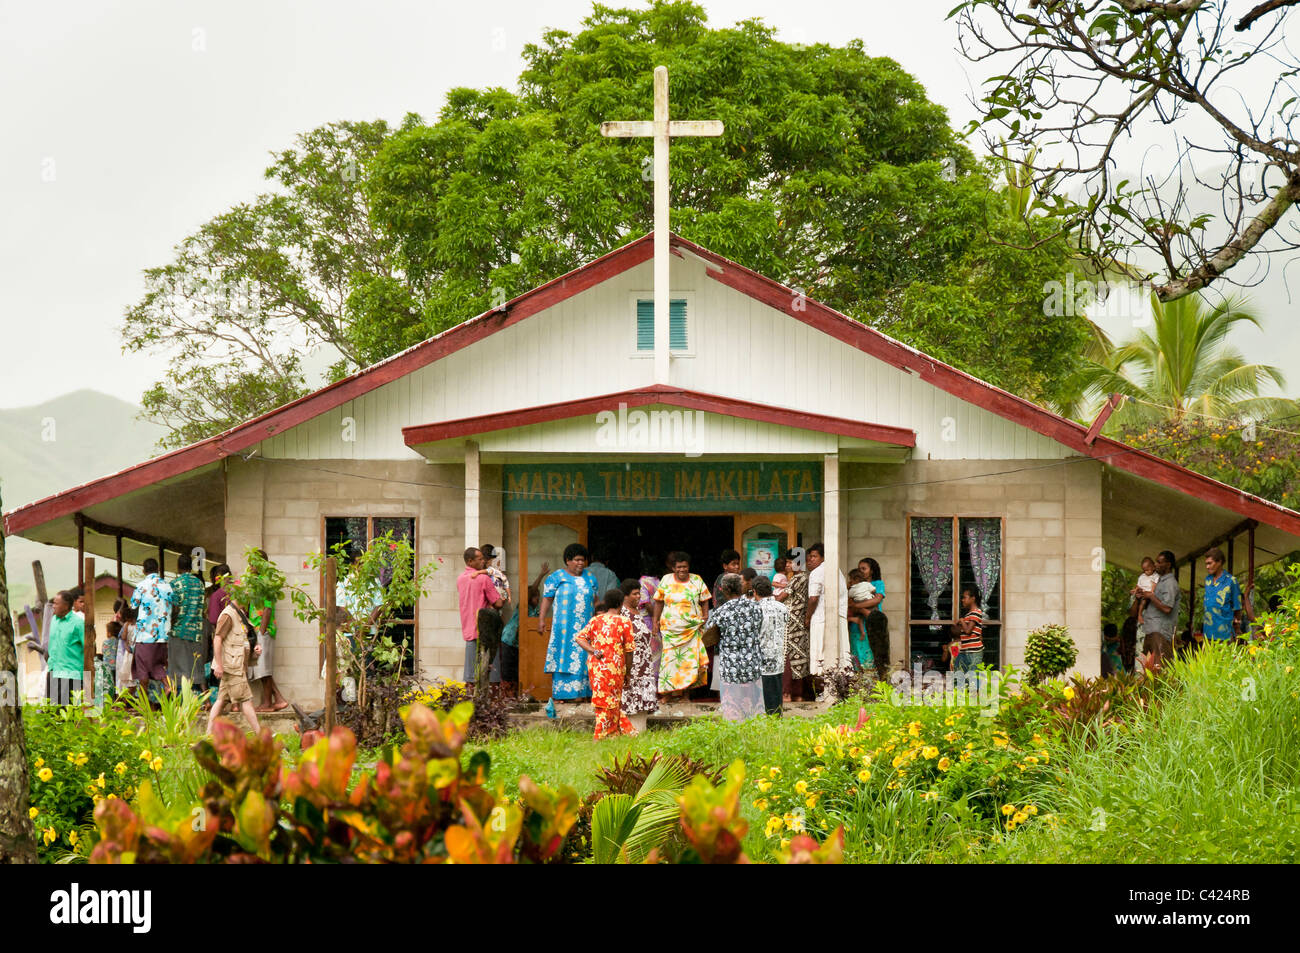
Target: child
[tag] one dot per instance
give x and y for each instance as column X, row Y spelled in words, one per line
column 780, row 579
column 1112, row 656
column 1146, row 584
column 230, row 660
column 859, row 591
column 610, row 641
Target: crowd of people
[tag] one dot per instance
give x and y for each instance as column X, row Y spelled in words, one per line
column 749, row 641
column 1155, row 600
column 169, row 632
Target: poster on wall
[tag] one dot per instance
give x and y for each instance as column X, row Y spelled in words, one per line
column 760, row 555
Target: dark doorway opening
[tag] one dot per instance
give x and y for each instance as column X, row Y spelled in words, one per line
column 634, row 546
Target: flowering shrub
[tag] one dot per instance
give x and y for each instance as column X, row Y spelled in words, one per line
column 945, row 755
column 75, row 760
column 1049, row 651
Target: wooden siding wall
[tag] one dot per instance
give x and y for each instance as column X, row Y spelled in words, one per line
column 743, row 348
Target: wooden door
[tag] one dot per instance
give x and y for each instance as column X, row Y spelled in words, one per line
column 533, row 678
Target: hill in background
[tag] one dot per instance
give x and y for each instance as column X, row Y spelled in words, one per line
column 56, row 445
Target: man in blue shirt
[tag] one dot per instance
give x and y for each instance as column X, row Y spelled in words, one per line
column 1222, row 619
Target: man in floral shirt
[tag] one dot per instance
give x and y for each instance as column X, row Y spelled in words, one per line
column 185, row 651
column 152, row 600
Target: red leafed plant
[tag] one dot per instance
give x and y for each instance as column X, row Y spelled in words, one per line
column 419, row 806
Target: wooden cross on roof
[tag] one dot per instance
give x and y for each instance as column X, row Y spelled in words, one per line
column 662, row 130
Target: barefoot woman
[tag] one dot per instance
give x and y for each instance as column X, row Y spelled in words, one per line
column 679, row 616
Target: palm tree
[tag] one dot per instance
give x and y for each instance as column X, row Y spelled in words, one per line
column 624, row 829
column 1182, row 366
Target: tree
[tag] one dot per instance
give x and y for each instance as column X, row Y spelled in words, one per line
column 1184, row 367
column 17, row 837
column 1084, row 75
column 836, row 175
column 257, row 287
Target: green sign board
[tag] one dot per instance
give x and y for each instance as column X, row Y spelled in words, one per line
column 756, row 487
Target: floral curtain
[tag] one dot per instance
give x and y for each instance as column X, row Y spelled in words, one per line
column 984, row 543
column 932, row 553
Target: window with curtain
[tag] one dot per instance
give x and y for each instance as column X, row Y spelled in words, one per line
column 357, row 532
column 946, row 553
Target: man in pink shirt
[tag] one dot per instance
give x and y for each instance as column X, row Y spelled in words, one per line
column 475, row 592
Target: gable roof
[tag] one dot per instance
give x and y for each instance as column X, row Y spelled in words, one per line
column 661, row 394
column 748, row 282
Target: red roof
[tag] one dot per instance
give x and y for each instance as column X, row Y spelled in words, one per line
column 666, row 395
column 744, row 280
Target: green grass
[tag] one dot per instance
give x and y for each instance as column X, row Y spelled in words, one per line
column 555, row 756
column 1210, row 776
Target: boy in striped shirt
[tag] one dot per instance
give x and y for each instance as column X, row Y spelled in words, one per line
column 970, row 629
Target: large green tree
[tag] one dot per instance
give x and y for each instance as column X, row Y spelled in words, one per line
column 17, row 837
column 836, row 175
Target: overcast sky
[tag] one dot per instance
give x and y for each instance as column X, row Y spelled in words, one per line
column 128, row 124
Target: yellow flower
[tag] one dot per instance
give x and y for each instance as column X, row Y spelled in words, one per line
column 1043, row 755
column 761, row 804
column 1037, row 739
column 929, row 795
column 801, row 786
column 72, row 838
column 1032, row 809
column 930, row 752
column 45, row 774
column 914, row 729
column 969, row 745
column 944, row 764
column 819, row 750
column 1008, row 809
column 855, row 752
column 33, row 812
column 891, row 786
column 1030, row 759
column 127, row 732
column 71, row 758
column 81, row 759
column 951, row 736
column 785, row 842
column 810, row 800
column 815, row 771
column 156, row 764
column 1068, row 693
column 146, row 755
column 999, row 741
column 100, row 780
column 864, row 775
column 1020, row 817
column 49, row 835
column 898, row 761
column 764, row 785
column 793, row 822
column 119, row 768
column 40, row 762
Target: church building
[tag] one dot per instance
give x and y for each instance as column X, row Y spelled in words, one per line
column 765, row 421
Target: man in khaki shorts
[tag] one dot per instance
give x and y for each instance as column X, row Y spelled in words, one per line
column 230, row 664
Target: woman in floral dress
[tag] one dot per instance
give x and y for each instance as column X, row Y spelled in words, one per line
column 572, row 593
column 610, row 641
column 679, row 615
column 641, row 689
column 796, row 636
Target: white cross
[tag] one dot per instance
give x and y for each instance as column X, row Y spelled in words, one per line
column 662, row 130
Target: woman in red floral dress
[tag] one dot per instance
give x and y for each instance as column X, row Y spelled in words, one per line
column 609, row 640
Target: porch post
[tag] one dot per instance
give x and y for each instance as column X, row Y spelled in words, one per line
column 472, row 484
column 1191, row 599
column 81, row 552
column 1250, row 560
column 833, row 648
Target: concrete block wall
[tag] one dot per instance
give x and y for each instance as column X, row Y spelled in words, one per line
column 1053, row 534
column 281, row 508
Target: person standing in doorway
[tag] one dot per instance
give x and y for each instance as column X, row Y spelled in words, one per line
column 877, row 624
column 501, row 661
column 152, row 601
column 1222, row 619
column 1158, row 612
column 680, row 610
column 67, row 651
column 571, row 592
column 185, row 645
column 474, row 593
column 606, row 578
column 730, row 560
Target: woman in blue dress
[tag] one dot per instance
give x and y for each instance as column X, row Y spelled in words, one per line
column 571, row 591
column 875, row 623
